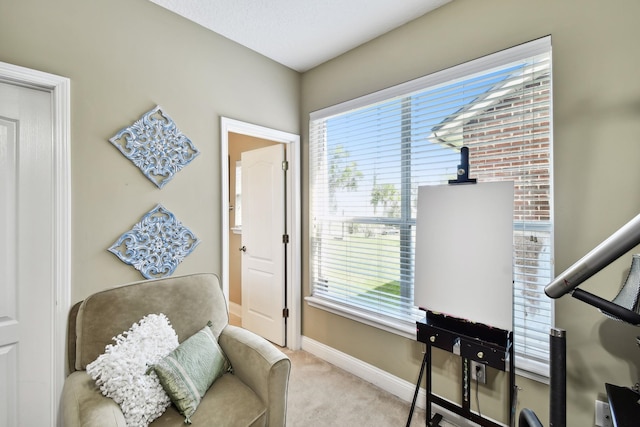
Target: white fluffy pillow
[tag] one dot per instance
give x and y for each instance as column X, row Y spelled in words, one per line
column 121, row 372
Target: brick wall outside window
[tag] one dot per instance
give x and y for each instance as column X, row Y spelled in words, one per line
column 503, row 139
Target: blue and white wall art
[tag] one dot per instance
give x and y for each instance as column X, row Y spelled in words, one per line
column 156, row 146
column 155, row 245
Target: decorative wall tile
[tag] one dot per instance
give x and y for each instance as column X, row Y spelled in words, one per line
column 155, row 245
column 156, row 146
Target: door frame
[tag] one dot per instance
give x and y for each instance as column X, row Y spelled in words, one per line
column 60, row 208
column 293, row 270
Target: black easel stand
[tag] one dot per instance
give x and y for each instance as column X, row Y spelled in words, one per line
column 425, row 360
column 473, row 342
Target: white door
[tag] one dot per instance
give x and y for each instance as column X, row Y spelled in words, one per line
column 263, row 257
column 27, row 386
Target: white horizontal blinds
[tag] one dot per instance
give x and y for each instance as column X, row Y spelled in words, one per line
column 363, row 233
column 505, row 121
column 368, row 157
column 509, row 138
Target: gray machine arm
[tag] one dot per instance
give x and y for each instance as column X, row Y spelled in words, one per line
column 601, row 256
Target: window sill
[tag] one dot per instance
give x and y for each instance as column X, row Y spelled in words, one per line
column 398, row 327
column 534, row 371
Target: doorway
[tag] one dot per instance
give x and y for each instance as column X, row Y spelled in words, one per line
column 229, row 128
column 35, row 275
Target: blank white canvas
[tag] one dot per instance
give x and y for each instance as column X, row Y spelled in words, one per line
column 464, row 252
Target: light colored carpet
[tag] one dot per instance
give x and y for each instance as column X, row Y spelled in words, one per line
column 322, row 395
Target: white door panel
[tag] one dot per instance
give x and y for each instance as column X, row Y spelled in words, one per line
column 8, row 385
column 26, row 269
column 263, row 210
column 9, row 335
column 8, row 177
column 260, row 296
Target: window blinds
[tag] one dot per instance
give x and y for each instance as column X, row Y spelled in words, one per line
column 368, row 156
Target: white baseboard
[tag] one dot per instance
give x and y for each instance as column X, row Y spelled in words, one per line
column 382, row 379
column 235, row 309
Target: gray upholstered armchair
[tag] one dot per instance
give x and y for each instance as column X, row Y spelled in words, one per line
column 255, row 394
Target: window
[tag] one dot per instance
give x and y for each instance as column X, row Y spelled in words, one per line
column 237, row 226
column 368, row 156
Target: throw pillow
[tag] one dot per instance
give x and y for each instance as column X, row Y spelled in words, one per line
column 120, row 372
column 188, row 371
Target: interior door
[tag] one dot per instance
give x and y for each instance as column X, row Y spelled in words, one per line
column 26, row 289
column 263, row 257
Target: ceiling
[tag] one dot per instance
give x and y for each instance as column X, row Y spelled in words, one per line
column 301, row 34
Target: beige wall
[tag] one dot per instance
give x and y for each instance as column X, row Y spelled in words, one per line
column 237, row 145
column 124, row 57
column 596, row 136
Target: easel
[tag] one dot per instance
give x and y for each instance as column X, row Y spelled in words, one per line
column 473, row 342
column 464, row 243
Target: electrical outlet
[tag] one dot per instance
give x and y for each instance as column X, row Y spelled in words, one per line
column 478, row 372
column 603, row 414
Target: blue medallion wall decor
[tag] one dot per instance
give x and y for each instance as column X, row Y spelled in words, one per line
column 156, row 146
column 155, row 245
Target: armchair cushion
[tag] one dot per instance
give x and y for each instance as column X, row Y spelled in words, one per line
column 228, row 403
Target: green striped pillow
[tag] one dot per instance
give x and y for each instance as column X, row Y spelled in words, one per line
column 188, row 371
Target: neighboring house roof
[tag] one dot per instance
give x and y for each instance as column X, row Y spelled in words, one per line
column 447, row 132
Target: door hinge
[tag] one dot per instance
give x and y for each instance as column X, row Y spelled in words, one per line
column 285, row 165
column 285, row 238
column 285, row 313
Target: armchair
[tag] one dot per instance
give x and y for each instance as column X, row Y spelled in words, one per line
column 253, row 395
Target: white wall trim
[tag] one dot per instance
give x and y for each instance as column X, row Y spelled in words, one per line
column 294, row 272
column 382, row 379
column 60, row 89
column 235, row 309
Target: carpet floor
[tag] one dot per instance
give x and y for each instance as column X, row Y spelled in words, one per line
column 322, row 395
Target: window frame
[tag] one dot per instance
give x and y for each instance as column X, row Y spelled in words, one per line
column 526, row 367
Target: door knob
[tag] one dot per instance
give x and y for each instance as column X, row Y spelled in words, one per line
column 243, row 249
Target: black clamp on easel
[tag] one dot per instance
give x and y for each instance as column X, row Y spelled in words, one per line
column 463, row 169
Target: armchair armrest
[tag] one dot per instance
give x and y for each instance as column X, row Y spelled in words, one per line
column 261, row 366
column 84, row 405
